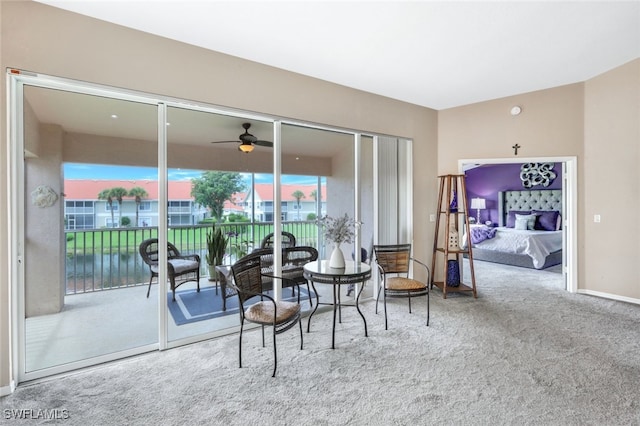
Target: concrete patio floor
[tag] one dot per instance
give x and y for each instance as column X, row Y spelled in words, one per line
column 108, row 322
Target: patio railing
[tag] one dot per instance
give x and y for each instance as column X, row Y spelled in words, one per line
column 108, row 258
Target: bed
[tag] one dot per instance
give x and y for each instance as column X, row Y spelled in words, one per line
column 529, row 232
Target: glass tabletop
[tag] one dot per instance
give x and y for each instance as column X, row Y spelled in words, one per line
column 321, row 267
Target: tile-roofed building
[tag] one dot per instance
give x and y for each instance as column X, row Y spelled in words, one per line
column 292, row 209
column 83, row 209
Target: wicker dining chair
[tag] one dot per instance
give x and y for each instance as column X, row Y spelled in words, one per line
column 180, row 268
column 265, row 310
column 394, row 262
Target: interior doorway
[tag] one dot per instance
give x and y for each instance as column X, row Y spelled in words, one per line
column 568, row 176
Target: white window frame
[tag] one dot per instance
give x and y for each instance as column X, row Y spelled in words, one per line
column 16, row 79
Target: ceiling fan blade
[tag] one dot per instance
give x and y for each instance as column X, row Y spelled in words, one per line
column 247, row 139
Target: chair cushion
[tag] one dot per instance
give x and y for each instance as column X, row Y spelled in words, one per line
column 262, row 312
column 401, row 283
column 180, row 265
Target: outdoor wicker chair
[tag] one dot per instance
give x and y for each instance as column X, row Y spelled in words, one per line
column 180, row 268
column 288, row 240
column 393, row 263
column 293, row 261
column 266, row 311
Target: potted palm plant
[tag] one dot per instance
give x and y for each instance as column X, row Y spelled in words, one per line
column 216, row 247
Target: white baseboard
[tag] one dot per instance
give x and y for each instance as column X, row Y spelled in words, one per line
column 609, row 296
column 7, row 390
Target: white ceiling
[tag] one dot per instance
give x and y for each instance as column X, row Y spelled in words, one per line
column 432, row 53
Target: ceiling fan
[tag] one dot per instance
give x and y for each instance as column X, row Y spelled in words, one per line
column 247, row 140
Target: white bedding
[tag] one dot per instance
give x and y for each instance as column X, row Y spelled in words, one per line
column 537, row 244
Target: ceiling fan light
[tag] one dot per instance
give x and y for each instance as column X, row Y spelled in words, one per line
column 246, row 148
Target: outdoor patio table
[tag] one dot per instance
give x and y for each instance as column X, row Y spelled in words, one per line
column 319, row 272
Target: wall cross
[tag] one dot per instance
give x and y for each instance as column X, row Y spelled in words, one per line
column 515, row 148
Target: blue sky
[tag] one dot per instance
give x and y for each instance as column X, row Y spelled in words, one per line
column 99, row 171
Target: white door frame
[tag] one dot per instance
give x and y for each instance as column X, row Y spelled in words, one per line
column 570, row 207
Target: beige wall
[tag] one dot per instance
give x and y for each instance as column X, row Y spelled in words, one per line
column 551, row 124
column 95, row 51
column 612, row 183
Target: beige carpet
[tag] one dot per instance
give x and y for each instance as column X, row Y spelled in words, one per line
column 524, row 352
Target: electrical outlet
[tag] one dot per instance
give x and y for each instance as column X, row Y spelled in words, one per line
column 596, row 218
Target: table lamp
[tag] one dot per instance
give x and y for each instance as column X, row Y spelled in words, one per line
column 478, row 204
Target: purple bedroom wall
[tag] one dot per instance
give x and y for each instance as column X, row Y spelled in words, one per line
column 487, row 180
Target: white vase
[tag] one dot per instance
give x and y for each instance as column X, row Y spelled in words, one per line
column 337, row 258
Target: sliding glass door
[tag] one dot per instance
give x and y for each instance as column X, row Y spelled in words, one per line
column 210, row 206
column 85, row 159
column 110, row 186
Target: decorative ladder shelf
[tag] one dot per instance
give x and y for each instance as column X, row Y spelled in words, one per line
column 452, row 210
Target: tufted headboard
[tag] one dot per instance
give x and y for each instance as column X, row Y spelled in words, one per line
column 532, row 199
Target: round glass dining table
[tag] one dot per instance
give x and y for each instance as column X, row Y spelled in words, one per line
column 319, row 272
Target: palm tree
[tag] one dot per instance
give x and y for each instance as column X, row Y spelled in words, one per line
column 118, row 192
column 105, row 194
column 138, row 193
column 314, row 195
column 297, row 194
column 109, row 195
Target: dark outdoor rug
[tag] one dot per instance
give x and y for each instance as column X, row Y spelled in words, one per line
column 191, row 306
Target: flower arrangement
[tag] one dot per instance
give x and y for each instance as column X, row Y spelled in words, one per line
column 338, row 230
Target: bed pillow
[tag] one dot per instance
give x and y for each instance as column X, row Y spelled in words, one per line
column 547, row 220
column 521, row 224
column 511, row 217
column 525, row 221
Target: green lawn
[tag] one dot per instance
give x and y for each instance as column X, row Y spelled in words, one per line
column 186, row 238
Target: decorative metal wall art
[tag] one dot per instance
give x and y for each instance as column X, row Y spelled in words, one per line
column 43, row 196
column 532, row 174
